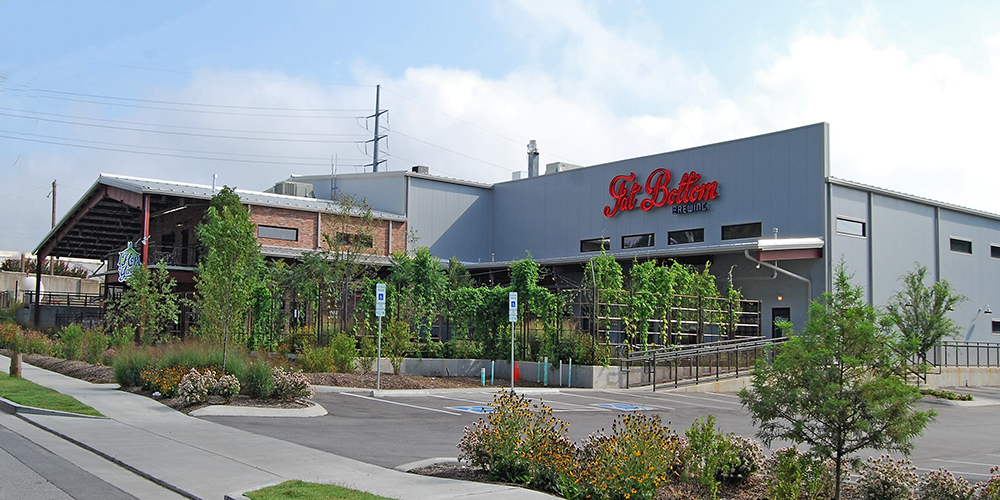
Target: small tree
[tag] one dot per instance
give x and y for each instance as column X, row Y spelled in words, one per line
column 920, row 312
column 833, row 386
column 231, row 267
column 349, row 247
column 148, row 304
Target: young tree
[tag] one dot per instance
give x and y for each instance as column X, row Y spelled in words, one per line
column 833, row 386
column 230, row 269
column 149, row 303
column 349, row 248
column 920, row 312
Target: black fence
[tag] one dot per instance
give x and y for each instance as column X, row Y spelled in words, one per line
column 694, row 363
column 950, row 353
column 66, row 299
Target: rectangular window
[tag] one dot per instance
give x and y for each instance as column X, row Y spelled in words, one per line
column 995, row 251
column 359, row 240
column 996, row 327
column 595, row 244
column 686, row 236
column 278, row 233
column 637, row 241
column 738, row 231
column 850, row 227
column 961, row 246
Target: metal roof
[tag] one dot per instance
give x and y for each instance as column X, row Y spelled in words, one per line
column 110, row 213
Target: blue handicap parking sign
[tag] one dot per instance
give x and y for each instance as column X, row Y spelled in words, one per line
column 623, row 407
column 479, row 410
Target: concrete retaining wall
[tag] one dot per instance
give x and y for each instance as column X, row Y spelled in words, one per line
column 964, row 376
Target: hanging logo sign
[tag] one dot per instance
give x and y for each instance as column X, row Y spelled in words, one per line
column 128, row 259
column 688, row 196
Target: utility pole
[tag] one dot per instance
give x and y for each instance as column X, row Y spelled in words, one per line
column 52, row 261
column 376, row 137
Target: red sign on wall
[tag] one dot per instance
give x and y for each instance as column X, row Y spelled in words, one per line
column 624, row 188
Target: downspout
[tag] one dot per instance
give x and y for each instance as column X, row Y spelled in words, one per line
column 809, row 285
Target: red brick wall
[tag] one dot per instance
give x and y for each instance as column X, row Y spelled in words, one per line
column 305, row 222
column 380, row 233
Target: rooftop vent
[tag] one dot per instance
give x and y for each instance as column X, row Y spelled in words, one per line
column 300, row 189
column 552, row 168
column 420, row 169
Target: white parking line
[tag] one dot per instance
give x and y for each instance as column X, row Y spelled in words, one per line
column 657, row 407
column 699, row 405
column 380, row 400
column 963, row 463
column 957, row 473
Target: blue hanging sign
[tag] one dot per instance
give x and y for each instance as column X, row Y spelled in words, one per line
column 128, row 259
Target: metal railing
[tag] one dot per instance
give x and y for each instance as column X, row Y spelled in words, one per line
column 696, row 362
column 952, row 353
column 65, row 299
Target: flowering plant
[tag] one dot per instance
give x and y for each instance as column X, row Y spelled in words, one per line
column 886, row 479
column 291, row 384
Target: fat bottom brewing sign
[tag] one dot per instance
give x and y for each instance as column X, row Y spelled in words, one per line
column 128, row 259
column 690, row 195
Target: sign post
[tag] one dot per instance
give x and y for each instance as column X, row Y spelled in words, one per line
column 380, row 312
column 512, row 315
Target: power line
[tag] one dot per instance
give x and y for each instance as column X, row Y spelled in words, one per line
column 185, row 127
column 151, row 153
column 450, row 150
column 199, row 111
column 195, row 104
column 224, row 75
column 172, row 132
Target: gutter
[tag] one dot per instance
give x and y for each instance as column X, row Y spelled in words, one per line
column 782, row 271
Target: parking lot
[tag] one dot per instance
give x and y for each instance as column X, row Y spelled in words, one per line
column 397, row 430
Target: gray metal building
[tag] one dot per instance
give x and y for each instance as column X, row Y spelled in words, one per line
column 764, row 208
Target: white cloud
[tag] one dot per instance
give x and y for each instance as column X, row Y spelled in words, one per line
column 922, row 125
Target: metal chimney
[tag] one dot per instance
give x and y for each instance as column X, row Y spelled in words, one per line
column 532, row 159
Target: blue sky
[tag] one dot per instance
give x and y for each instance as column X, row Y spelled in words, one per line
column 909, row 88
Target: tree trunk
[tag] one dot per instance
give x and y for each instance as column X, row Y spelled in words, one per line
column 15, row 365
column 836, row 487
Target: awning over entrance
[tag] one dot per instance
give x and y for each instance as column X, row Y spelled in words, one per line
column 774, row 249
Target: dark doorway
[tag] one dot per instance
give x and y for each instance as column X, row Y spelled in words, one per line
column 779, row 315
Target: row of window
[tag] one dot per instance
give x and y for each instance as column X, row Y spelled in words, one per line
column 852, row 227
column 732, row 232
column 292, row 234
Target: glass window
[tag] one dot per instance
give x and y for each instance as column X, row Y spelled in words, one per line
column 595, row 244
column 995, row 251
column 278, row 233
column 359, row 240
column 996, row 327
column 737, row 231
column 851, row 227
column 686, row 236
column 637, row 241
column 961, row 246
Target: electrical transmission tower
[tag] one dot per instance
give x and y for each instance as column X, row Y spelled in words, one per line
column 376, row 138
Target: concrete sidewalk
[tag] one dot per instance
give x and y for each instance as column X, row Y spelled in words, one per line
column 204, row 460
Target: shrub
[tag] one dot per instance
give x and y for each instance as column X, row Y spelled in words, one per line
column 710, row 454
column 395, row 343
column 259, row 380
column 791, row 474
column 367, row 351
column 10, row 333
column 71, row 337
column 227, row 386
column 343, row 353
column 34, row 342
column 165, row 381
column 744, row 462
column 122, row 338
column 640, row 455
column 886, row 479
column 943, row 485
column 990, row 489
column 291, row 385
column 94, row 345
column 201, row 355
column 521, row 443
column 316, row 359
column 129, row 364
column 196, row 386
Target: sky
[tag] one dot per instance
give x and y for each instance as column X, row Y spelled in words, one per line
column 254, row 92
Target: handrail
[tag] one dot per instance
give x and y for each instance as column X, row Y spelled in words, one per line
column 964, row 353
column 65, row 299
column 670, row 360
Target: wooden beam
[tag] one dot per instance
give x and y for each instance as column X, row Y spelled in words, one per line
column 65, row 228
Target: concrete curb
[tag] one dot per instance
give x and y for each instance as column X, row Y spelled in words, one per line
column 426, row 462
column 8, row 406
column 315, row 410
column 968, row 404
